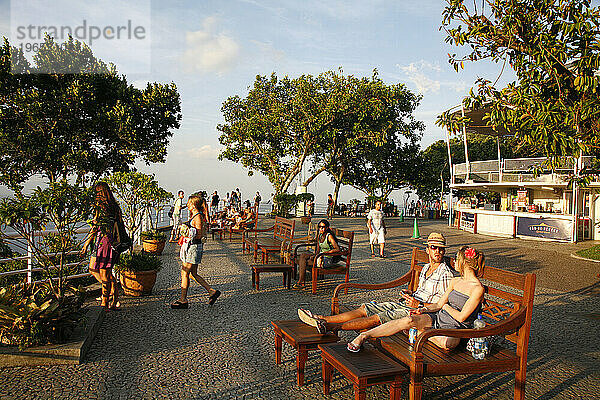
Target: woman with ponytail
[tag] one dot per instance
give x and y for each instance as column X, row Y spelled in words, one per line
column 456, row 309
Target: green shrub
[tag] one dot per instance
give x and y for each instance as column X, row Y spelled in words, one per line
column 30, row 314
column 142, row 261
column 285, row 203
column 12, row 265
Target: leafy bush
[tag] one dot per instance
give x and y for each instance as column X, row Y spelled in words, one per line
column 142, row 261
column 12, row 265
column 30, row 314
column 153, row 235
column 285, row 203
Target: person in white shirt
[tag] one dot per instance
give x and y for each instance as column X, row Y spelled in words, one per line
column 377, row 229
column 177, row 206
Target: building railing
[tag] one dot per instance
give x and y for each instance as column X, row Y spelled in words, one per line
column 506, row 170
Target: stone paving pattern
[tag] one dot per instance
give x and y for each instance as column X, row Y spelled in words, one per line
column 226, row 351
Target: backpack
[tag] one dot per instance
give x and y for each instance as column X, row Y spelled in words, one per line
column 171, row 211
column 122, row 241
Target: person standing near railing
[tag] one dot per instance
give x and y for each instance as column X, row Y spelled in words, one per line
column 177, row 206
column 106, row 215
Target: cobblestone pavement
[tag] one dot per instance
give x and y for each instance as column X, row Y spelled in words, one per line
column 226, row 351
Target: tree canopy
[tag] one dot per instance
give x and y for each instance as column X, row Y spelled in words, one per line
column 82, row 124
column 554, row 50
column 378, row 170
column 284, row 123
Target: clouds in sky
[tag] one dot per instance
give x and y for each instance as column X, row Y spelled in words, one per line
column 420, row 74
column 209, row 50
column 206, row 152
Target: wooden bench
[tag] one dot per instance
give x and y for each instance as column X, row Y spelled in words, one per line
column 282, row 230
column 342, row 267
column 507, row 308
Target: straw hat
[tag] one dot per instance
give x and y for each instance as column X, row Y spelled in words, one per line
column 436, row 239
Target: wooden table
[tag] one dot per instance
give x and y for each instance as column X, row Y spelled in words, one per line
column 366, row 368
column 217, row 230
column 301, row 337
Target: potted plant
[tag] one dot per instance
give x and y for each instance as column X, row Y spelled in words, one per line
column 305, row 198
column 138, row 272
column 153, row 241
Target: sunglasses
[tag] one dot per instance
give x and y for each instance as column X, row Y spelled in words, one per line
column 433, row 247
column 322, row 226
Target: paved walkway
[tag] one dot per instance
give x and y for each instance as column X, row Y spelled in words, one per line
column 226, row 351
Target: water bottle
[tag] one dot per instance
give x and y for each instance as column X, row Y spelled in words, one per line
column 480, row 346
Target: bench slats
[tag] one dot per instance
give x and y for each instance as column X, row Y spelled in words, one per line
column 491, row 291
column 507, row 278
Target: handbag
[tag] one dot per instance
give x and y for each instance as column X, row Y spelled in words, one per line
column 122, row 240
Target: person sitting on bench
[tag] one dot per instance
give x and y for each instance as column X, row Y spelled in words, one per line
column 434, row 279
column 456, row 309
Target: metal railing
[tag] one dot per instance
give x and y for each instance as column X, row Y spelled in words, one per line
column 32, row 265
column 512, row 166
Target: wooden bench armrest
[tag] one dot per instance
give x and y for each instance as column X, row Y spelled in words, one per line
column 509, row 325
column 302, row 245
column 404, row 279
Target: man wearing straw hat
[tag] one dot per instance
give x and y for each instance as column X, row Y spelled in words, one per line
column 433, row 282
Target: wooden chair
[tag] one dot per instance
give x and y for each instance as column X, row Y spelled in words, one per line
column 282, row 230
column 342, row 267
column 286, row 267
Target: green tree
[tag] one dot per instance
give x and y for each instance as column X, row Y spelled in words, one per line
column 553, row 48
column 282, row 123
column 135, row 191
column 60, row 208
column 370, row 113
column 81, row 124
column 274, row 128
column 379, row 170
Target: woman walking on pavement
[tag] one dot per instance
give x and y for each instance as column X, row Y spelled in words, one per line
column 191, row 252
column 106, row 215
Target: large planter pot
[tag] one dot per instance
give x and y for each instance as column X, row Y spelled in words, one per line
column 138, row 283
column 305, row 220
column 153, row 246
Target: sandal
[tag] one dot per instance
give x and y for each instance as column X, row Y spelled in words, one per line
column 372, row 254
column 352, row 348
column 321, row 326
column 307, row 317
column 298, row 286
column 213, row 297
column 179, row 305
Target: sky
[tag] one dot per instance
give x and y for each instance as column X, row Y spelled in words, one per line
column 214, row 49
